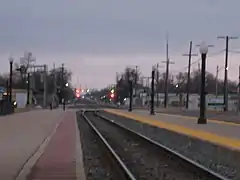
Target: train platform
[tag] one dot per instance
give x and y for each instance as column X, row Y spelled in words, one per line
column 218, row 132
column 229, row 116
column 40, row 144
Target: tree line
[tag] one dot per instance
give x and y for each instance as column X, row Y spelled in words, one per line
column 176, row 83
column 20, row 80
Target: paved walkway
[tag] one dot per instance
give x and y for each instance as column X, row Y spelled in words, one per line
column 22, row 135
column 223, row 133
column 59, row 158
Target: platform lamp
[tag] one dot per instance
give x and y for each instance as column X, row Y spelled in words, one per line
column 10, row 78
column 202, row 117
column 130, row 93
column 152, row 91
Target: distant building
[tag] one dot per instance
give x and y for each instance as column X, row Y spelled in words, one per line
column 3, row 92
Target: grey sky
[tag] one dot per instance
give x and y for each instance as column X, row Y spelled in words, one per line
column 97, row 38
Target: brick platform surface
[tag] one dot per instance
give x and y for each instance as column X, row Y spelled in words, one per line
column 21, row 135
column 59, row 158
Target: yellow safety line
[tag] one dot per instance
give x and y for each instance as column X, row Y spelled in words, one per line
column 229, row 143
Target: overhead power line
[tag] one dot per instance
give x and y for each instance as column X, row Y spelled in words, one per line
column 211, row 55
column 198, row 60
column 234, row 51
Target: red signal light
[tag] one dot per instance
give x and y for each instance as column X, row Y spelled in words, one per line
column 112, row 95
column 77, row 93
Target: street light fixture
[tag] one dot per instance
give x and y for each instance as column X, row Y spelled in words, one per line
column 10, row 78
column 203, row 50
column 130, row 93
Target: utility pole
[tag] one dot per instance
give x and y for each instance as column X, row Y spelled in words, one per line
column 189, row 72
column 168, row 62
column 45, row 86
column 225, row 100
column 157, row 85
column 62, row 83
column 136, row 79
column 167, row 74
column 217, row 72
column 226, row 77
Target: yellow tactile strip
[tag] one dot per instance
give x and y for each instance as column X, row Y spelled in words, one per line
column 229, row 143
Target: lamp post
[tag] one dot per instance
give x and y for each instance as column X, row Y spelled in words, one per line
column 10, row 78
column 130, row 93
column 152, row 91
column 203, row 50
column 28, row 88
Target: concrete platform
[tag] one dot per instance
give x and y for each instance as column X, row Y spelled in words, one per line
column 226, row 134
column 24, row 138
column 229, row 116
column 210, row 114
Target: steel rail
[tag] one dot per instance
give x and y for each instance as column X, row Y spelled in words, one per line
column 211, row 174
column 126, row 172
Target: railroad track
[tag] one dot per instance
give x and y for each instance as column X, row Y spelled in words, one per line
column 137, row 157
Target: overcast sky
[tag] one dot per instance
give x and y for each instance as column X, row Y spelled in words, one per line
column 97, row 38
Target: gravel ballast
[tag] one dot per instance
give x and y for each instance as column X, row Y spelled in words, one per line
column 219, row 159
column 145, row 160
column 96, row 165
